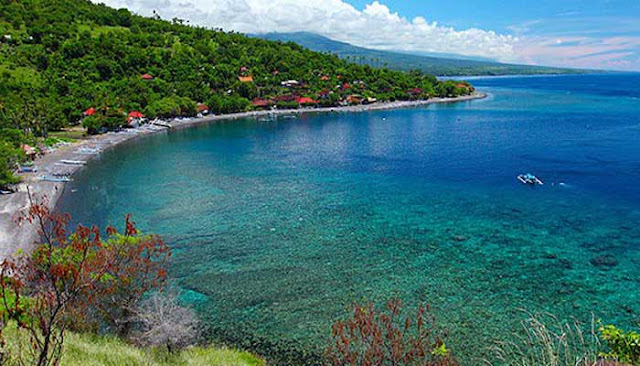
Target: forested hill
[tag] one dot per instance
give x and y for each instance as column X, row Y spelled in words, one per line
column 442, row 66
column 61, row 57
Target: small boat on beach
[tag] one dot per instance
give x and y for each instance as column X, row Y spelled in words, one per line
column 55, row 179
column 88, row 151
column 28, row 169
column 73, row 162
column 530, row 179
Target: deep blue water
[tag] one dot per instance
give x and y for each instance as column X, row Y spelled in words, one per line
column 277, row 226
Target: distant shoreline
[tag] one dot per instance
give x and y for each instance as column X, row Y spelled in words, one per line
column 14, row 237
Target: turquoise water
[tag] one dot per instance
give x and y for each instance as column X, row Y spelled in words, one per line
column 277, row 226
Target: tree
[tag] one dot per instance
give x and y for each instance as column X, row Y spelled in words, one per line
column 164, row 323
column 38, row 290
column 70, row 273
column 137, row 264
column 379, row 338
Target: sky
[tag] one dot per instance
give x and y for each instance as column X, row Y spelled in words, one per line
column 598, row 34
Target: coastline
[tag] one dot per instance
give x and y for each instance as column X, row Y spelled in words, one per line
column 14, row 237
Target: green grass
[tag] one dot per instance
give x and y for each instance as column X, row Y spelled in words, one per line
column 68, row 134
column 93, row 350
column 97, row 30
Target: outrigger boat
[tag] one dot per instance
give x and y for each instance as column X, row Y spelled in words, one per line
column 88, row 151
column 55, row 179
column 28, row 169
column 73, row 162
column 530, row 179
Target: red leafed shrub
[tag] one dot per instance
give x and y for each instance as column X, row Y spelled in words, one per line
column 136, row 264
column 379, row 338
column 70, row 274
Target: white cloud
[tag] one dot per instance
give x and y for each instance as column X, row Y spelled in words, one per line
column 375, row 27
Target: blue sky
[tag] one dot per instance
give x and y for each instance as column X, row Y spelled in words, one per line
column 600, row 34
column 587, row 33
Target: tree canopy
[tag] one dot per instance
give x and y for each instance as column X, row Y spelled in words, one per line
column 58, row 58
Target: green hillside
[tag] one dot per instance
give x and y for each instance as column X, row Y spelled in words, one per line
column 402, row 61
column 59, row 58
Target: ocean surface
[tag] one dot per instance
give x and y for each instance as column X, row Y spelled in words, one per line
column 279, row 225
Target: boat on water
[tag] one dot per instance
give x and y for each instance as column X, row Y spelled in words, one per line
column 55, row 179
column 73, row 162
column 530, row 179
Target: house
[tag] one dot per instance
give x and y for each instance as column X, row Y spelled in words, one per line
column 134, row 118
column 370, row 100
column 345, row 86
column 258, row 103
column 324, row 94
column 414, row 93
column 246, row 79
column 306, row 101
column 89, row 112
column 146, row 77
column 202, row 109
column 286, row 98
column 466, row 87
column 290, row 83
column 30, row 151
column 355, row 99
column 325, row 78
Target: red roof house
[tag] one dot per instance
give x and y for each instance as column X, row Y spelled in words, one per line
column 135, row 114
column 324, row 78
column 146, row 77
column 306, row 101
column 89, row 112
column 202, row 108
column 261, row 103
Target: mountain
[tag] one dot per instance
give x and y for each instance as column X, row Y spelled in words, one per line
column 443, row 66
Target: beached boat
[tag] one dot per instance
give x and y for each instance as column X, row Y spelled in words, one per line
column 530, row 179
column 88, row 151
column 73, row 162
column 55, row 179
column 28, row 169
column 161, row 123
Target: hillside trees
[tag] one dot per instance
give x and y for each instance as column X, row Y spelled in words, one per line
column 84, row 49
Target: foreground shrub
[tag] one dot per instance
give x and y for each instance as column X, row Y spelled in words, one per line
column 545, row 341
column 69, row 273
column 164, row 323
column 623, row 346
column 372, row 337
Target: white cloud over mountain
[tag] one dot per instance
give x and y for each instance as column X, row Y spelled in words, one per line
column 375, row 27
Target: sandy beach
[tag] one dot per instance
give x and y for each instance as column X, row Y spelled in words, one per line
column 14, row 237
